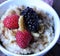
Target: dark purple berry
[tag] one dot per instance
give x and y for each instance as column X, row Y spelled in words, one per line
column 31, row 19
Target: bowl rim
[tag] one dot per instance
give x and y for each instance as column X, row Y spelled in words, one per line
column 43, row 51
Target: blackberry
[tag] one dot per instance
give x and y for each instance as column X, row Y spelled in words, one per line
column 31, row 19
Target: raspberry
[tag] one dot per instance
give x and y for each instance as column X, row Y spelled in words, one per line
column 11, row 21
column 23, row 38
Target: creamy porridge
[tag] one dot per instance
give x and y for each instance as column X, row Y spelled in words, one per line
column 42, row 36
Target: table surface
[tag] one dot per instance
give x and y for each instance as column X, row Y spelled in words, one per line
column 55, row 51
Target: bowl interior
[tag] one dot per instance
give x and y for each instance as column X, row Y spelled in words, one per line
column 40, row 5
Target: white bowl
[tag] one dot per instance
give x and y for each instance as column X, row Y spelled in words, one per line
column 40, row 6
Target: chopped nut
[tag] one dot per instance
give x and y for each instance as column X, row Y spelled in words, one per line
column 21, row 23
column 13, row 41
column 22, row 7
column 11, row 12
column 13, row 32
column 35, row 34
column 3, row 32
column 6, row 37
column 17, row 11
column 41, row 28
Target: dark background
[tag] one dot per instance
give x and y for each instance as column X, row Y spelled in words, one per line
column 56, row 6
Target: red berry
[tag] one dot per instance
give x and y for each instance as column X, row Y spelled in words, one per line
column 11, row 21
column 23, row 38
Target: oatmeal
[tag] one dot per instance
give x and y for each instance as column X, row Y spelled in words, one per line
column 29, row 35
